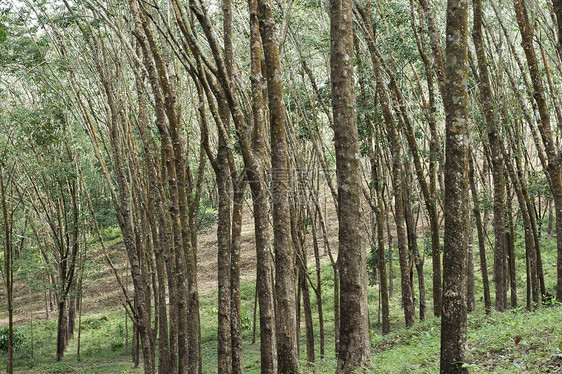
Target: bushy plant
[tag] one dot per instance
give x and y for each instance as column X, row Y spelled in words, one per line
column 110, row 233
column 19, row 338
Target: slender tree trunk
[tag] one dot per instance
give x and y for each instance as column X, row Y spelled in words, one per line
column 224, row 223
column 61, row 329
column 253, row 159
column 71, row 317
column 307, row 315
column 235, row 309
column 224, row 345
column 530, row 242
column 335, row 270
column 287, row 354
column 354, row 347
column 397, row 184
column 413, row 247
column 510, row 241
column 390, row 255
column 487, row 100
column 383, row 284
column 434, row 154
column 300, row 249
column 318, row 289
column 8, row 271
column 553, row 170
column 471, row 296
column 377, row 196
column 135, row 354
column 453, row 322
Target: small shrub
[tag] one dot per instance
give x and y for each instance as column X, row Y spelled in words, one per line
column 93, row 323
column 19, row 338
column 246, row 320
column 116, row 344
column 110, row 233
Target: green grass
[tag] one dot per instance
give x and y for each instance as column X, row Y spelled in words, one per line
column 491, row 344
column 102, row 347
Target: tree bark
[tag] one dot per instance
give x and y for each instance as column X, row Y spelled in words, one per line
column 453, row 322
column 235, row 308
column 481, row 237
column 286, row 329
column 413, row 247
column 354, row 350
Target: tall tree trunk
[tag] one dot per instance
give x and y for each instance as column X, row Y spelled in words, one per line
column 553, row 170
column 160, row 233
column 286, row 329
column 224, row 344
column 354, row 347
column 434, row 156
column 487, row 101
column 453, row 322
column 224, row 223
column 253, row 160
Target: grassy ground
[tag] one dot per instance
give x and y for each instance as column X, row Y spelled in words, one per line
column 514, row 342
column 102, row 347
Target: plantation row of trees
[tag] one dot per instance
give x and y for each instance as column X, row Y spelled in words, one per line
column 415, row 120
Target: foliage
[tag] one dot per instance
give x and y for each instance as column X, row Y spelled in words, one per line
column 19, row 339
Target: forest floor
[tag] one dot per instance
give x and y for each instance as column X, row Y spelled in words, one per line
column 514, row 342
